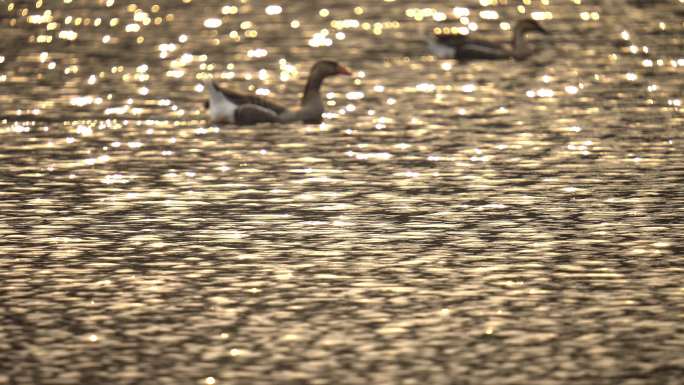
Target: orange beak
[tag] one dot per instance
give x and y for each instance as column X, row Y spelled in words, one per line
column 342, row 70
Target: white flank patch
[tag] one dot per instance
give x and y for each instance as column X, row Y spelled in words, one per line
column 221, row 110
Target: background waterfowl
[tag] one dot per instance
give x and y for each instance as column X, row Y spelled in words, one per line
column 231, row 107
column 463, row 47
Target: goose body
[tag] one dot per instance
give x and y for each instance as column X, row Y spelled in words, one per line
column 464, row 48
column 231, row 107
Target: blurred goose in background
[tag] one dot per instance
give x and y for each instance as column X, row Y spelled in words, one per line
column 464, row 48
column 231, row 107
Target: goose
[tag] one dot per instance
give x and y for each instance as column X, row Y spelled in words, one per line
column 231, row 107
column 463, row 48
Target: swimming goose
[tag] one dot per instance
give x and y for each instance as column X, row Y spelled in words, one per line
column 231, row 107
column 463, row 48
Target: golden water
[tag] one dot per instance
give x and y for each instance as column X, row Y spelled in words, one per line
column 480, row 223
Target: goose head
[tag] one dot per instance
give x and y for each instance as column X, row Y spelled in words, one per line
column 324, row 68
column 321, row 70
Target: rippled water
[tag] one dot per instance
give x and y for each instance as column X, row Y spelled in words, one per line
column 480, row 223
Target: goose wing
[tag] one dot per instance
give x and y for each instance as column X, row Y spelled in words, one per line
column 240, row 99
column 453, row 41
column 249, row 113
column 481, row 49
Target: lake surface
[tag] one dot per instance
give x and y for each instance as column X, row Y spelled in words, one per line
column 449, row 223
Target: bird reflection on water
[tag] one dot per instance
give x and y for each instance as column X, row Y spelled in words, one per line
column 488, row 222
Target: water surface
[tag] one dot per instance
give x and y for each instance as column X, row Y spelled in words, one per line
column 479, row 223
